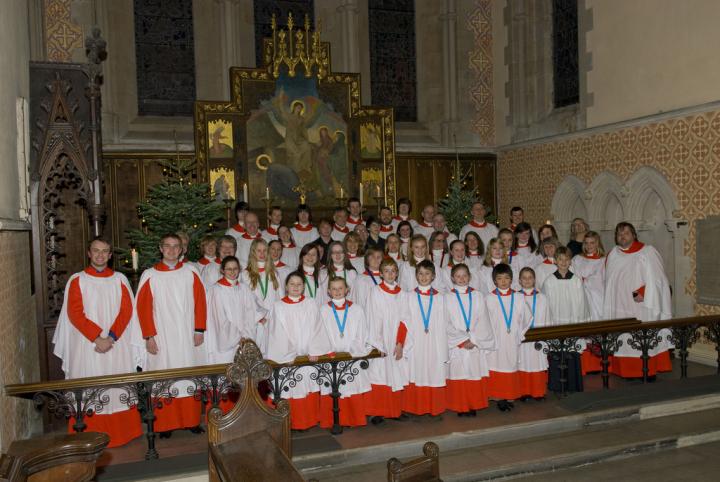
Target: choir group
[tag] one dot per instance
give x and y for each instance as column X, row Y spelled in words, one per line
column 448, row 312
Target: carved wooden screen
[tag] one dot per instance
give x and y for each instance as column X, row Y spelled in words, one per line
column 61, row 177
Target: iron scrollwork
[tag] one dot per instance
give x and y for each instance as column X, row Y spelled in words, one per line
column 644, row 340
column 333, row 375
column 608, row 343
column 560, row 348
column 712, row 332
column 76, row 404
column 683, row 337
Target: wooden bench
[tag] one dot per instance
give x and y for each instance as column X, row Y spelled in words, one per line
column 252, row 441
column 53, row 458
column 421, row 469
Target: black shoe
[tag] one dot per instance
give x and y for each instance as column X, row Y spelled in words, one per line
column 471, row 413
column 402, row 418
column 376, row 420
column 436, row 418
column 510, row 404
column 652, row 379
column 167, row 434
column 197, row 429
column 539, row 399
column 503, row 406
column 462, row 414
column 525, row 398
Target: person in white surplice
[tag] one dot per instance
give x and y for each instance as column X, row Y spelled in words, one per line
column 636, row 287
column 172, row 311
column 92, row 338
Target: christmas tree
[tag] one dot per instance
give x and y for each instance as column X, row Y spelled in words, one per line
column 458, row 201
column 179, row 203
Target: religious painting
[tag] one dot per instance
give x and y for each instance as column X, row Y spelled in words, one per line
column 220, row 139
column 222, row 183
column 297, row 141
column 370, row 144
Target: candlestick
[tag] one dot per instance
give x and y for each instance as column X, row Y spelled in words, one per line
column 377, row 190
column 362, row 195
column 267, row 193
column 245, row 192
column 135, row 259
column 342, row 196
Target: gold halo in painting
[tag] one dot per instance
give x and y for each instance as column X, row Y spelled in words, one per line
column 297, row 102
column 260, row 165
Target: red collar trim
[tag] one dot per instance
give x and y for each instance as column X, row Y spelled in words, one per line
column 400, row 218
column 592, row 256
column 470, row 290
column 398, row 255
column 424, row 224
column 521, row 246
column 344, row 229
column 634, row 247
column 512, row 253
column 351, row 256
column 106, row 273
column 347, row 303
column 386, row 228
column 374, row 273
column 280, row 264
column 353, row 220
column 473, row 254
column 271, row 230
column 533, row 292
column 205, row 261
column 247, row 236
column 427, row 293
column 224, row 281
column 305, row 229
column 547, row 261
column 291, row 302
column 496, row 291
column 163, row 267
column 387, row 289
column 475, row 224
column 239, row 228
column 291, row 245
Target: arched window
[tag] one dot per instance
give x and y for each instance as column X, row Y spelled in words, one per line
column 165, row 57
column 393, row 79
column 566, row 75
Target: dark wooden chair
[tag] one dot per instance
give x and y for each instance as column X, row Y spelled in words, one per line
column 53, row 458
column 252, row 441
column 421, row 469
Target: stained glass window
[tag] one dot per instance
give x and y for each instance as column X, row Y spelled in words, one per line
column 393, row 79
column 165, row 57
column 264, row 9
column 566, row 79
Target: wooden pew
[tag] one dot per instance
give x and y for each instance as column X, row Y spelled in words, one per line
column 53, row 458
column 252, row 441
column 421, row 469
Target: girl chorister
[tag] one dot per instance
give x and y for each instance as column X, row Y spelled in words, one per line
column 547, row 266
column 590, row 267
column 289, row 247
column 370, row 277
column 354, row 252
column 275, row 249
column 474, row 250
column 533, row 363
column 417, row 252
column 295, row 329
column 314, row 274
column 262, row 279
column 470, row 338
column 494, row 255
column 393, row 248
column 346, row 328
column 438, row 249
column 339, row 265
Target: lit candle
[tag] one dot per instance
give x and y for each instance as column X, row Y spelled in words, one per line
column 135, row 259
column 267, row 193
column 341, row 193
column 377, row 188
column 547, row 222
column 361, row 194
column 245, row 194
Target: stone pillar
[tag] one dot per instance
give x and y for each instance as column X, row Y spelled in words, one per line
column 348, row 12
column 229, row 39
column 450, row 80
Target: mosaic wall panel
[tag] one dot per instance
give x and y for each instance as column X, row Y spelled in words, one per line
column 685, row 149
column 165, row 57
column 62, row 35
column 393, row 79
column 481, row 64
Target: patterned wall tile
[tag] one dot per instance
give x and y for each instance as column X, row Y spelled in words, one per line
column 685, row 149
column 62, row 35
column 481, row 64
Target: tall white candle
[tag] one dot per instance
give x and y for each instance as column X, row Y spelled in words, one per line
column 135, row 259
column 361, row 194
column 245, row 193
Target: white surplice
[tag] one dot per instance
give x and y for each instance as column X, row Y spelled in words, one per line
column 506, row 358
column 592, row 272
column 430, row 354
column 468, row 364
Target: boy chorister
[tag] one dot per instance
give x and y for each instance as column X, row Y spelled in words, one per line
column 210, row 272
column 387, row 326
column 370, row 278
column 295, row 329
column 303, row 232
column 427, row 326
column 346, row 328
column 274, row 222
column 470, row 337
column 510, row 318
column 533, row 363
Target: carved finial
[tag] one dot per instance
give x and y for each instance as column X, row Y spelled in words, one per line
column 95, row 51
column 248, row 367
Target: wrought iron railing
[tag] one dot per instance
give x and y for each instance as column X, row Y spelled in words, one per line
column 82, row 397
column 643, row 336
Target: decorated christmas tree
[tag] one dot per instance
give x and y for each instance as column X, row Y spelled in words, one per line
column 179, row 203
column 458, row 200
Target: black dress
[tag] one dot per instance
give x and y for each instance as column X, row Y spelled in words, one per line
column 575, row 247
column 573, row 373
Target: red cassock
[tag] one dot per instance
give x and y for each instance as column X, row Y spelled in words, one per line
column 171, row 307
column 99, row 303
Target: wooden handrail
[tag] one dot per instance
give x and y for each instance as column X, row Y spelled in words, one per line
column 28, row 390
column 579, row 330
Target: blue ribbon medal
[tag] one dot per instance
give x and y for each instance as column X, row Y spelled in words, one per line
column 341, row 327
column 508, row 319
column 466, row 316
column 426, row 318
